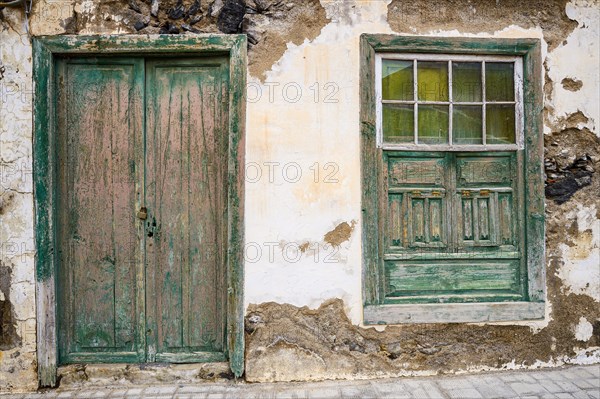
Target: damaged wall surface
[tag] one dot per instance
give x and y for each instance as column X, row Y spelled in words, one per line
column 17, row 290
column 303, row 214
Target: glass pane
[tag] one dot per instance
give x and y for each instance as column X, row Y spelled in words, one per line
column 500, row 124
column 467, row 124
column 398, row 123
column 397, row 80
column 466, row 81
column 433, row 124
column 499, row 81
column 433, row 81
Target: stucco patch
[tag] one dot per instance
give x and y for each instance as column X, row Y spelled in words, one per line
column 17, row 317
column 581, row 256
column 572, row 59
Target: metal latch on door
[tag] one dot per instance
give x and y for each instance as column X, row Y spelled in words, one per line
column 142, row 213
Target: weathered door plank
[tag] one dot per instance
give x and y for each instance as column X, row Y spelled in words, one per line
column 185, row 196
column 100, row 124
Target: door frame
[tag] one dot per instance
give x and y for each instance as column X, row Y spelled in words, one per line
column 46, row 49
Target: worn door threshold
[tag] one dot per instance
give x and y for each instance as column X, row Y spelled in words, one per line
column 119, row 375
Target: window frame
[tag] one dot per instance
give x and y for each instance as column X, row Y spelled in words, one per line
column 530, row 146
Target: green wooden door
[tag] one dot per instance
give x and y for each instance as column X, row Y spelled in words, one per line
column 186, row 191
column 452, row 231
column 141, row 171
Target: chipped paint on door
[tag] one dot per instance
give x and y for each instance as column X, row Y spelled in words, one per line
column 186, row 195
column 100, row 124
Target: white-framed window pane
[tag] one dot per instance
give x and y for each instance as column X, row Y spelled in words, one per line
column 499, row 81
column 433, row 124
column 467, row 124
column 500, row 124
column 445, row 99
column 397, row 80
column 432, row 78
column 398, row 123
column 466, row 82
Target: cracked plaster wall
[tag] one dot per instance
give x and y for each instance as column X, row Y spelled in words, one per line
column 17, row 289
column 303, row 193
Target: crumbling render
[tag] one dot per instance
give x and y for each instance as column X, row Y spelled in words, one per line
column 269, row 24
column 572, row 157
column 562, row 183
column 119, row 375
column 571, row 84
column 287, row 343
column 8, row 335
column 467, row 16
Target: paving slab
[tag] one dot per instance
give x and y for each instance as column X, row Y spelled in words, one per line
column 576, row 382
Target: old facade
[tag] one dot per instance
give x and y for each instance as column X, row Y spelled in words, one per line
column 353, row 214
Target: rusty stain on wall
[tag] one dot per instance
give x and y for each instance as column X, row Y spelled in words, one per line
column 304, row 246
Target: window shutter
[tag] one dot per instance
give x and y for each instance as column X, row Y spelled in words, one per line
column 451, row 233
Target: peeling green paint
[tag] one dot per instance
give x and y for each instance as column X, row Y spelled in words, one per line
column 46, row 51
column 375, row 179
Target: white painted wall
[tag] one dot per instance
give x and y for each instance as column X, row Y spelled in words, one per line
column 323, row 131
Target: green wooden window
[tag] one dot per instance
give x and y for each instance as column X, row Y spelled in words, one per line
column 452, row 183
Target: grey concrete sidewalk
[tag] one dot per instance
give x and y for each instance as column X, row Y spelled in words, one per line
column 571, row 382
